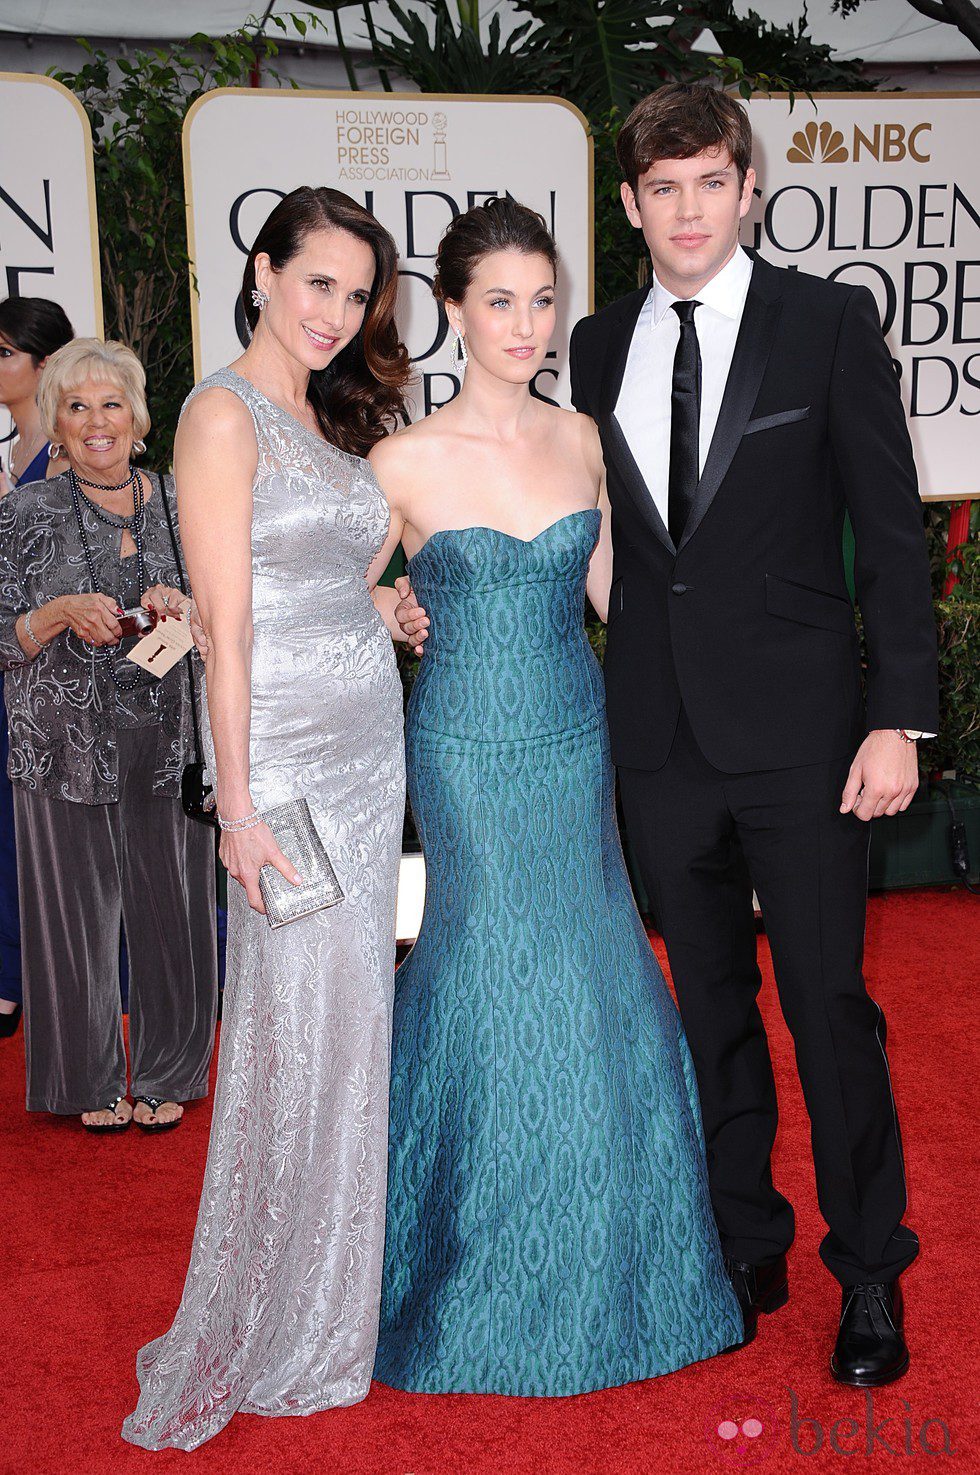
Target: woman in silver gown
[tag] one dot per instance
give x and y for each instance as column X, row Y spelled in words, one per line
column 283, row 522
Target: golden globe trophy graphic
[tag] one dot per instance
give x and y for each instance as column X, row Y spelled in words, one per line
column 439, row 164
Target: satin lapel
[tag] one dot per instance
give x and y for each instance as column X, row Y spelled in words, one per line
column 752, row 348
column 617, row 352
column 633, row 479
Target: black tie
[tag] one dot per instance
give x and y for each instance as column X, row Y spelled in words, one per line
column 685, row 412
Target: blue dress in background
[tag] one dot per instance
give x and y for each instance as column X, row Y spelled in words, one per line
column 10, row 980
column 549, row 1225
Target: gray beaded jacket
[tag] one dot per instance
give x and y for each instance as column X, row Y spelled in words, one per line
column 63, row 707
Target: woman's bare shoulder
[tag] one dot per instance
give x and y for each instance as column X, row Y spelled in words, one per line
column 216, row 428
column 567, row 422
column 215, row 409
column 412, row 449
column 578, row 432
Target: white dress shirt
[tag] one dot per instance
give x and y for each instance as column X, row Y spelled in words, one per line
column 643, row 407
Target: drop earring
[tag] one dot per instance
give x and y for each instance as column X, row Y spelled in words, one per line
column 260, row 299
column 458, row 354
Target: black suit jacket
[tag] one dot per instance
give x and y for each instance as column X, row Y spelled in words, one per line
column 749, row 620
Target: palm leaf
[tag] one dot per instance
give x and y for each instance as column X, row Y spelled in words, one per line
column 455, row 60
column 622, row 49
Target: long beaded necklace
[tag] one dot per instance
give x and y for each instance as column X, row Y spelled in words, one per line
column 133, row 525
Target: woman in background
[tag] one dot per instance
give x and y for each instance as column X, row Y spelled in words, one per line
column 97, row 747
column 31, row 328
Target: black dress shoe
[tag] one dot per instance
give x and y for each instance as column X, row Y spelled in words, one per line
column 759, row 1288
column 871, row 1349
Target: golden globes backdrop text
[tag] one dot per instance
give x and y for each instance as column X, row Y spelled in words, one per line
column 415, row 160
column 49, row 236
column 884, row 189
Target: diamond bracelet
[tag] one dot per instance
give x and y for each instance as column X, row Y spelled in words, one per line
column 247, row 821
column 30, row 633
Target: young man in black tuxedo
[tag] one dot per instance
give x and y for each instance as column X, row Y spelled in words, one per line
column 743, row 408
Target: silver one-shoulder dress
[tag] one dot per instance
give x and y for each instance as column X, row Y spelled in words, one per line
column 279, row 1313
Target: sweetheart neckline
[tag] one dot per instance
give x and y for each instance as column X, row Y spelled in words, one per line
column 482, row 528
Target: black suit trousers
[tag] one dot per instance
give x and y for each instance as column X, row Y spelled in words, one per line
column 703, row 839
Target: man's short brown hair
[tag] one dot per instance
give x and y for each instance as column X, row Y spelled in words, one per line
column 679, row 121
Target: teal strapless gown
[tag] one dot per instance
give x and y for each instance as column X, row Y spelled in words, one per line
column 549, row 1227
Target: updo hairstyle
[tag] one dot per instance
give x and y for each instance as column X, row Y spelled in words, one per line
column 500, row 224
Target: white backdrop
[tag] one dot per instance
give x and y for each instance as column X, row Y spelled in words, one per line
column 48, row 226
column 415, row 160
column 884, row 189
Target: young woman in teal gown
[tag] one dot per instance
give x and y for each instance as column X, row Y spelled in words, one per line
column 549, row 1228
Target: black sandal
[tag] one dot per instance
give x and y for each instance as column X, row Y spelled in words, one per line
column 9, row 1022
column 154, row 1103
column 110, row 1126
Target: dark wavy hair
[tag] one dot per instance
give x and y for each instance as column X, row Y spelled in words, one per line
column 35, row 325
column 499, row 224
column 359, row 396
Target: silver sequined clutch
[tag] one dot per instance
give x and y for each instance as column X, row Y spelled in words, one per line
column 297, row 838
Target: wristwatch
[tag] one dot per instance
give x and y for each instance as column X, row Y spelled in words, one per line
column 908, row 734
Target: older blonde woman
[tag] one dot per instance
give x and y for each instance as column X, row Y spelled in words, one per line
column 96, row 751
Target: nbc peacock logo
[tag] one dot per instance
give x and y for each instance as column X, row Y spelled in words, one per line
column 818, row 143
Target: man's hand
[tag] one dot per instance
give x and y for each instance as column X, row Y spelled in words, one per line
column 411, row 617
column 883, row 777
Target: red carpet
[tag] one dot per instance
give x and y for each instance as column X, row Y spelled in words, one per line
column 97, row 1232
